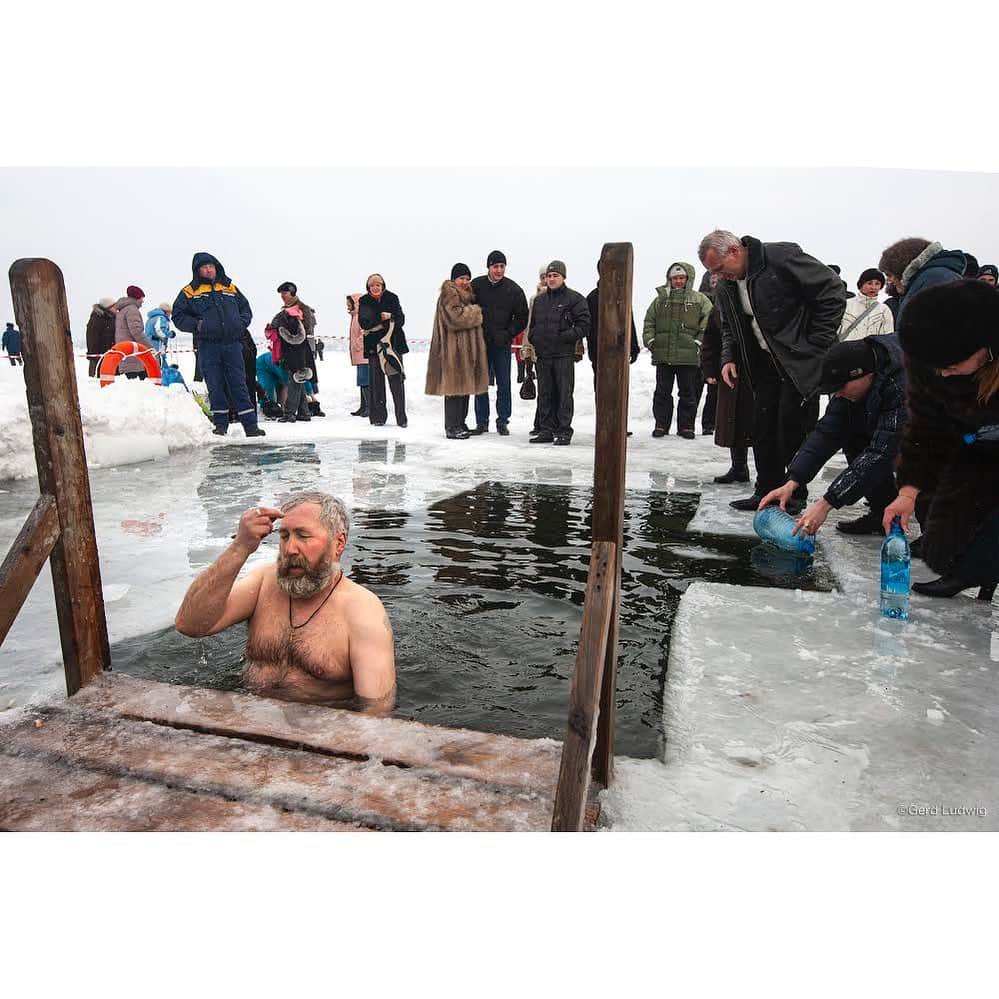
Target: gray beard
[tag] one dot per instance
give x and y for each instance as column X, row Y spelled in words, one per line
column 315, row 579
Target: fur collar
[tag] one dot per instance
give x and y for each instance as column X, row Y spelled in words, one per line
column 464, row 295
column 918, row 263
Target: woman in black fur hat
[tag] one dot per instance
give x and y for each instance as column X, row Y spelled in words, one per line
column 950, row 336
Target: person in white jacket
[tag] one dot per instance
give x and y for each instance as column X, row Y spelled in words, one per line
column 865, row 315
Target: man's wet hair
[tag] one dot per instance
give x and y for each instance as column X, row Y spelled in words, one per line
column 333, row 514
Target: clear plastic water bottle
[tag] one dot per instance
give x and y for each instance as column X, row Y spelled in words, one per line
column 895, row 573
column 775, row 525
column 990, row 432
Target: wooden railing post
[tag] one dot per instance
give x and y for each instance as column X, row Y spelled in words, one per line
column 573, row 786
column 609, row 461
column 40, row 310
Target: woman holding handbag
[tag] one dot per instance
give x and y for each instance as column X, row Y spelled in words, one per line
column 381, row 320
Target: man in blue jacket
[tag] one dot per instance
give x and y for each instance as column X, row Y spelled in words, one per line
column 865, row 417
column 213, row 309
column 12, row 345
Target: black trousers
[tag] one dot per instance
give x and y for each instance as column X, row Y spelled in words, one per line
column 377, row 402
column 881, row 492
column 781, row 420
column 710, row 405
column 556, row 383
column 688, row 379
column 455, row 412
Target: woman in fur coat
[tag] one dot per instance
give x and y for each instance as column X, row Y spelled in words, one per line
column 950, row 336
column 457, row 366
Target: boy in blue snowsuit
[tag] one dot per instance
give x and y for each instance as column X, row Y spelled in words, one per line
column 213, row 309
column 159, row 332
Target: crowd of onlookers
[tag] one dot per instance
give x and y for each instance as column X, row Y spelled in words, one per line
column 912, row 381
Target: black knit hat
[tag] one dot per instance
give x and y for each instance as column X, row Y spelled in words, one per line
column 557, row 266
column 871, row 274
column 496, row 257
column 460, row 270
column 970, row 265
column 947, row 323
column 844, row 362
column 989, row 269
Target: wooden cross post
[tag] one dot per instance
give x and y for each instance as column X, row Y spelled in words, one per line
column 609, row 461
column 39, row 295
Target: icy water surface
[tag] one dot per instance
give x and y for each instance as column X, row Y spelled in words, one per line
column 484, row 588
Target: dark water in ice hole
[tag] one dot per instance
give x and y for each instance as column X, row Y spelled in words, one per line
column 485, row 591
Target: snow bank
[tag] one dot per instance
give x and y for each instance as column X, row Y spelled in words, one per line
column 125, row 423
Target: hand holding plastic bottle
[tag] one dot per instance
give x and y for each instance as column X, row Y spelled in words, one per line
column 903, row 506
column 812, row 518
column 780, row 495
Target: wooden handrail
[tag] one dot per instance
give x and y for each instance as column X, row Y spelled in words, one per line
column 24, row 561
column 584, row 699
column 39, row 295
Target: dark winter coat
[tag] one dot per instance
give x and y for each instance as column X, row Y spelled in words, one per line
column 559, row 320
column 798, row 303
column 457, row 364
column 504, row 309
column 215, row 312
column 100, row 334
column 880, row 416
column 592, row 338
column 369, row 312
column 963, row 479
column 934, row 265
column 12, row 340
column 296, row 354
column 734, row 408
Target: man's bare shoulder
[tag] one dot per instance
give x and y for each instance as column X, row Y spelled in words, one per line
column 360, row 597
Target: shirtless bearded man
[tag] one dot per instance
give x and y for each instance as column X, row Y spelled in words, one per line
column 313, row 634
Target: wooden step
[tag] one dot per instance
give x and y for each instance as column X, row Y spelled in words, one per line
column 126, row 754
column 531, row 764
column 39, row 796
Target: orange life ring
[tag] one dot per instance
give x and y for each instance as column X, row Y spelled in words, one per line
column 129, row 348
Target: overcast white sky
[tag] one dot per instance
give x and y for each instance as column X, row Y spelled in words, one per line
column 437, row 132
column 328, row 228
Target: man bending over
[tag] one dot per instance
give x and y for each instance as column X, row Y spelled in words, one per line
column 313, row 635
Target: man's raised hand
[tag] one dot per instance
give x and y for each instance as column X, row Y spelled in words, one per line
column 255, row 525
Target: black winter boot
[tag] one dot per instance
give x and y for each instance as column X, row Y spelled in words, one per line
column 739, row 472
column 363, row 411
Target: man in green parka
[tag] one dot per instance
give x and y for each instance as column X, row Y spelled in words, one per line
column 674, row 328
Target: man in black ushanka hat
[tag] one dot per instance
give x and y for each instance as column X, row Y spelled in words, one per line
column 865, row 417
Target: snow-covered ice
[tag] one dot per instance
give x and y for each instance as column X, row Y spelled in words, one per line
column 783, row 709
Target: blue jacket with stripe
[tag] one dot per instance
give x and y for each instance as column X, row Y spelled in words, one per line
column 215, row 312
